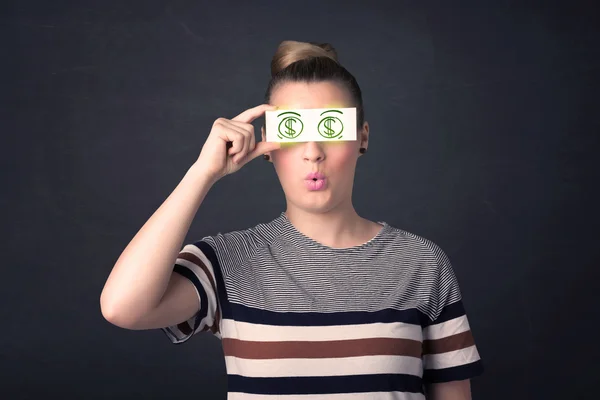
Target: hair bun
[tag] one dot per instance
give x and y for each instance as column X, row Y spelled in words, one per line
column 290, row 51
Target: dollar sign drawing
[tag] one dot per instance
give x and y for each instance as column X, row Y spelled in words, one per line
column 286, row 128
column 288, row 125
column 328, row 131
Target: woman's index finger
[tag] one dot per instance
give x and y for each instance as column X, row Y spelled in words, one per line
column 252, row 113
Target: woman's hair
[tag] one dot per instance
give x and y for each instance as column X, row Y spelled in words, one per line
column 312, row 62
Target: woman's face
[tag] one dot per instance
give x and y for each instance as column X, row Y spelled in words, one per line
column 335, row 160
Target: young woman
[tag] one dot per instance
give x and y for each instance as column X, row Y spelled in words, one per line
column 319, row 302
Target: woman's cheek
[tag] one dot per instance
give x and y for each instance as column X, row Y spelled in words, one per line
column 343, row 153
column 285, row 167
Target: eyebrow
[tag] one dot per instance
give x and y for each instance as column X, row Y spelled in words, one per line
column 337, row 111
column 288, row 112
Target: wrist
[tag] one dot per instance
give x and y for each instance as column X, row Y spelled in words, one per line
column 200, row 173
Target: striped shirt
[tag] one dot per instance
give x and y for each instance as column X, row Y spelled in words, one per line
column 301, row 320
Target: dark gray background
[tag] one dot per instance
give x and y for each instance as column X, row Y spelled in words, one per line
column 484, row 139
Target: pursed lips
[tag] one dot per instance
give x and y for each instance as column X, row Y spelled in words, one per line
column 314, row 176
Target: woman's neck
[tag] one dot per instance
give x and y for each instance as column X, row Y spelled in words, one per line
column 338, row 228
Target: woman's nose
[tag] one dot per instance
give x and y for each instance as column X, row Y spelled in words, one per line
column 313, row 151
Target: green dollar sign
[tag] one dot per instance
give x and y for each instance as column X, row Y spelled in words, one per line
column 327, row 131
column 327, row 124
column 288, row 124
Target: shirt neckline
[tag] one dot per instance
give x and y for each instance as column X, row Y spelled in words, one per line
column 308, row 240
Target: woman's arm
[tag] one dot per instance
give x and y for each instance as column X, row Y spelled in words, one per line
column 143, row 273
column 455, row 390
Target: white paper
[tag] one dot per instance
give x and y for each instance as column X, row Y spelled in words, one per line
column 311, row 125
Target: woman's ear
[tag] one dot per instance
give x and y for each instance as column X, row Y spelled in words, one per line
column 364, row 135
column 264, row 139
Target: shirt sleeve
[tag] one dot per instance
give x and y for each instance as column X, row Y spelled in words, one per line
column 449, row 350
column 195, row 265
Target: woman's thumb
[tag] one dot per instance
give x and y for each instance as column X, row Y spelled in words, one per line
column 262, row 148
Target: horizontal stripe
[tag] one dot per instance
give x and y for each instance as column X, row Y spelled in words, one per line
column 327, row 349
column 254, row 315
column 450, row 343
column 276, row 333
column 448, row 328
column 325, row 385
column 451, row 358
column 458, row 373
column 336, row 396
column 449, row 312
column 324, row 367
